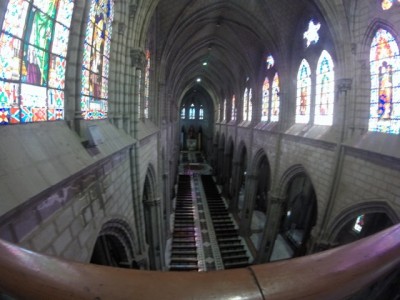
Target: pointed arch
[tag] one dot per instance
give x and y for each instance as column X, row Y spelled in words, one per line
column 265, row 100
column 275, row 99
column 385, row 80
column 96, row 60
column 303, row 99
column 325, row 90
column 347, row 218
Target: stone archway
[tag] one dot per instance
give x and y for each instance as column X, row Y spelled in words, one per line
column 361, row 221
column 114, row 246
column 298, row 215
column 152, row 220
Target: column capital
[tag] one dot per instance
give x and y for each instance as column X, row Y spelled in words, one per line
column 344, row 84
column 138, row 58
column 151, row 203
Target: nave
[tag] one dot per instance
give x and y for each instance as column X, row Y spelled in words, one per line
column 205, row 234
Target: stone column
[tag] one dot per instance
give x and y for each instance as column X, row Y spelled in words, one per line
column 271, row 229
column 234, row 186
column 154, row 227
column 220, row 165
column 138, row 61
column 248, row 208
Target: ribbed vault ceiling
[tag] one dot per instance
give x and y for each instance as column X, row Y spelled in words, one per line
column 230, row 35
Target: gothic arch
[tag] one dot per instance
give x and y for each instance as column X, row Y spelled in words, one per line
column 299, row 210
column 114, row 245
column 350, row 214
column 152, row 220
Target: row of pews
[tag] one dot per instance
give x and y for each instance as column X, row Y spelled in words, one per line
column 184, row 249
column 232, row 249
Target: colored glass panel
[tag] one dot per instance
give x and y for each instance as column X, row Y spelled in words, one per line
column 270, row 61
column 225, row 110
column 192, row 112
column 33, row 47
column 14, row 20
column 385, row 84
column 245, row 104
column 386, row 4
column 303, row 93
column 233, row 112
column 183, row 113
column 265, row 100
column 147, row 85
column 201, row 113
column 275, row 99
column 325, row 90
column 311, row 35
column 250, row 105
column 96, row 57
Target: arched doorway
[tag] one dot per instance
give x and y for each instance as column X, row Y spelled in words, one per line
column 114, row 246
column 361, row 221
column 152, row 221
column 260, row 205
column 299, row 215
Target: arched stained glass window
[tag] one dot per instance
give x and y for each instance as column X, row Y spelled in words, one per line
column 303, row 93
column 183, row 112
column 250, row 105
column 385, row 83
column 201, row 113
column 233, row 115
column 275, row 100
column 325, row 88
column 147, row 85
column 192, row 112
column 245, row 104
column 265, row 100
column 33, row 50
column 224, row 113
column 96, row 60
column 386, row 4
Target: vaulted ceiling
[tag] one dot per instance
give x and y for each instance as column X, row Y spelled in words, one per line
column 230, row 35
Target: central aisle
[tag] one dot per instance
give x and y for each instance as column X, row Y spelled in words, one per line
column 205, row 236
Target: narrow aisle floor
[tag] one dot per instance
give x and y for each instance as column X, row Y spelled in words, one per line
column 203, row 239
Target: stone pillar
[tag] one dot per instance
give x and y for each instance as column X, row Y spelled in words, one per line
column 248, row 208
column 138, row 61
column 220, row 165
column 271, row 229
column 234, row 186
column 154, row 227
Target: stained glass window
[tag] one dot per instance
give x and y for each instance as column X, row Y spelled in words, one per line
column 359, row 224
column 324, row 97
column 250, row 111
column 96, row 60
column 147, row 85
column 270, row 61
column 311, row 35
column 275, row 99
column 386, row 4
column 183, row 112
column 245, row 104
column 224, row 114
column 201, row 113
column 33, row 49
column 265, row 100
column 385, row 84
column 192, row 112
column 233, row 113
column 303, row 93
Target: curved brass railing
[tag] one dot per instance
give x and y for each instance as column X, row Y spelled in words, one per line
column 332, row 274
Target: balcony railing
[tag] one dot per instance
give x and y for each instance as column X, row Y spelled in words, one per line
column 333, row 274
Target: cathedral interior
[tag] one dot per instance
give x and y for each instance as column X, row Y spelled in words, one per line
column 200, row 149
